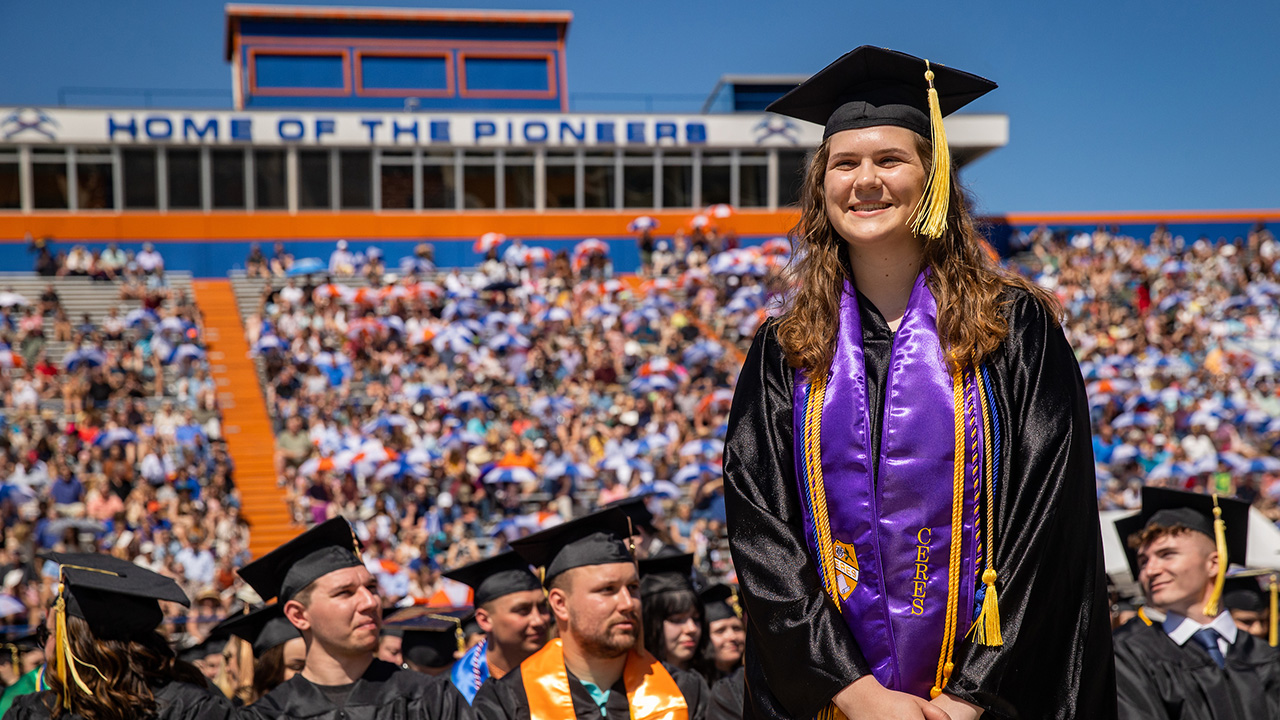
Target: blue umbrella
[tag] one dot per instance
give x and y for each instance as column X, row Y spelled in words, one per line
column 602, row 311
column 693, row 472
column 384, row 422
column 661, row 488
column 415, row 265
column 115, row 436
column 548, row 405
column 462, row 437
column 702, row 447
column 268, row 344
column 469, row 400
column 173, row 324
column 702, row 350
column 140, row 317
column 644, row 222
column 307, row 266
column 555, row 314
column 76, row 359
column 651, row 383
column 510, row 475
column 185, row 351
column 576, row 471
column 507, row 341
column 649, row 444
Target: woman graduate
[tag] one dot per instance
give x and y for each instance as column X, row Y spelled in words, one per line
column 107, row 662
column 908, row 469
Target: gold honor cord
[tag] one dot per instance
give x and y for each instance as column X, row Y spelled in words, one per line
column 957, row 525
column 818, row 500
column 457, row 629
column 930, row 216
column 64, row 659
column 986, row 627
column 1274, row 619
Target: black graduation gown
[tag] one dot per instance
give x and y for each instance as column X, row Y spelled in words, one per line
column 1159, row 680
column 384, row 692
column 1056, row 661
column 726, row 697
column 175, row 701
column 504, row 699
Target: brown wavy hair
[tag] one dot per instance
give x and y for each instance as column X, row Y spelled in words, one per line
column 132, row 670
column 966, row 281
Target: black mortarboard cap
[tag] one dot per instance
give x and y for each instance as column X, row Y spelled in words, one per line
column 595, row 539
column 429, row 640
column 668, row 573
column 871, row 86
column 118, row 599
column 281, row 573
column 1194, row 511
column 263, row 628
column 720, row 602
column 634, row 509
column 494, row 577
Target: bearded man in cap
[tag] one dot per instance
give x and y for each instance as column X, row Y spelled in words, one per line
column 598, row 667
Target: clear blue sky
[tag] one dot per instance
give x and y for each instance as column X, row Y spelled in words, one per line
column 1119, row 105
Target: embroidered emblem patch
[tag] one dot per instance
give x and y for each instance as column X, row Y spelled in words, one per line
column 846, row 568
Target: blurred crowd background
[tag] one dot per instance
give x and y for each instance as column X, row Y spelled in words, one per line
column 447, row 412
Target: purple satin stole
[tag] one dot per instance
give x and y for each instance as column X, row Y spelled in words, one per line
column 889, row 540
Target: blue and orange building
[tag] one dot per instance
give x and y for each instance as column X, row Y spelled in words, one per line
column 391, row 127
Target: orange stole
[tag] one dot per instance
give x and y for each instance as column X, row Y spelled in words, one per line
column 651, row 692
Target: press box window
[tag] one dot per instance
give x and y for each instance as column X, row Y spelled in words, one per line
column 716, row 168
column 677, row 179
column 49, row 178
column 404, row 72
column 10, row 192
column 140, row 187
column 396, row 175
column 269, row 179
column 438, row 186
column 599, row 179
column 507, row 74
column 313, row 179
column 753, row 180
column 517, row 179
column 479, row 181
column 561, row 180
column 355, row 172
column 228, row 179
column 184, row 179
column 285, row 71
column 791, row 166
column 637, row 180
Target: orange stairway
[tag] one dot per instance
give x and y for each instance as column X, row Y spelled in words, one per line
column 245, row 423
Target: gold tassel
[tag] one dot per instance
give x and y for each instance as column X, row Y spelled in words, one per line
column 457, row 629
column 1220, row 537
column 930, row 217
column 986, row 629
column 1273, row 634
column 13, row 658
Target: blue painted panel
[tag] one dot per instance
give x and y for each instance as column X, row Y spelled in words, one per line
column 419, row 73
column 425, row 105
column 298, row 71
column 506, row 74
column 402, row 30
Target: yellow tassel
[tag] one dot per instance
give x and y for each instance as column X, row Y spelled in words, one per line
column 13, row 658
column 986, row 628
column 1220, row 537
column 1273, row 635
column 930, row 216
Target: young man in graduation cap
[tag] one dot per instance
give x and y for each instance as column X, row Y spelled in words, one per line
column 511, row 609
column 326, row 592
column 104, row 652
column 597, row 667
column 1183, row 658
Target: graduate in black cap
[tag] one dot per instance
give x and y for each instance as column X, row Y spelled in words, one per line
column 908, row 468
column 106, row 659
column 1183, row 658
column 672, row 613
column 726, row 634
column 1248, row 597
column 511, row 609
column 598, row 666
column 279, row 652
column 328, row 594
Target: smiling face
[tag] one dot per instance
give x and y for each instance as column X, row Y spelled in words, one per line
column 681, row 634
column 1177, row 570
column 728, row 638
column 874, row 180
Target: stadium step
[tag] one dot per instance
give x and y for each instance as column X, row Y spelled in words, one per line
column 247, row 427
